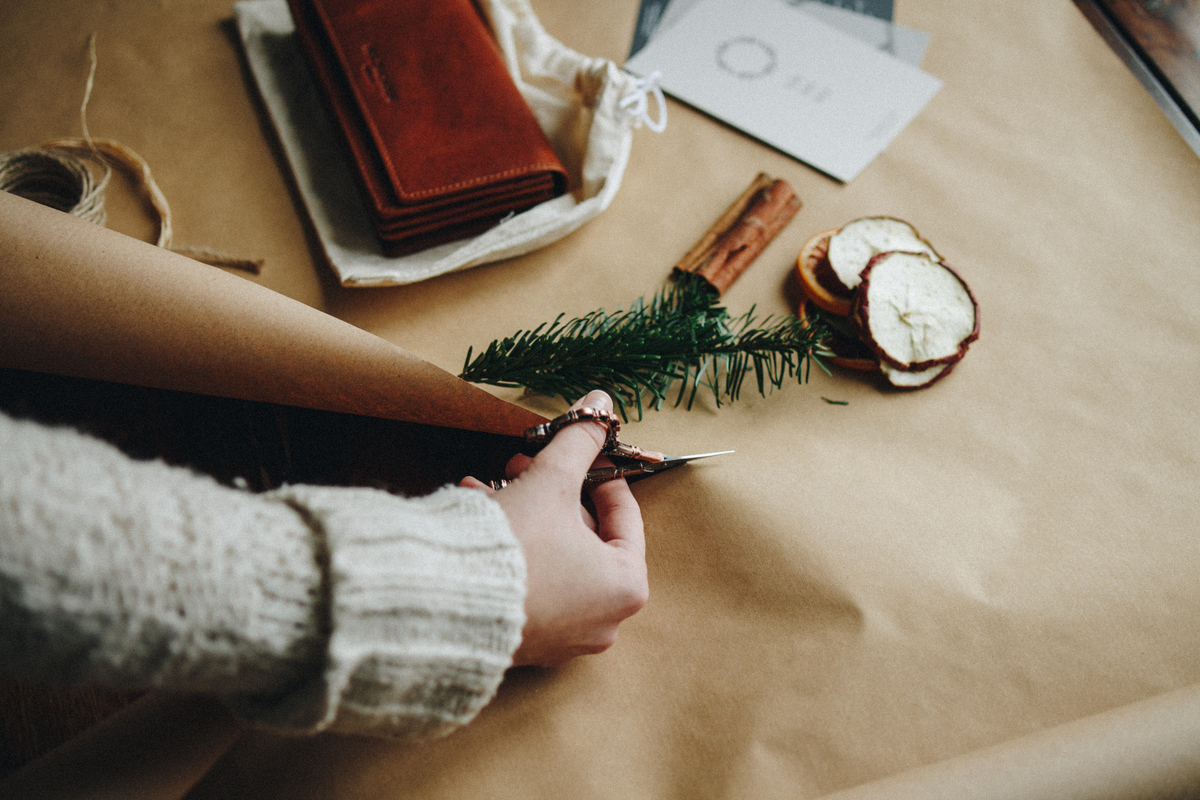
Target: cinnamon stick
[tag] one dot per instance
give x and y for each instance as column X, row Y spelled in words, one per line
column 740, row 234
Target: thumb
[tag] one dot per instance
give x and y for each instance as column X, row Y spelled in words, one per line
column 576, row 446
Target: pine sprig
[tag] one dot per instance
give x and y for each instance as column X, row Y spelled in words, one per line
column 681, row 335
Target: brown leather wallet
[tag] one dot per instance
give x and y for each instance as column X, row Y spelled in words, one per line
column 442, row 142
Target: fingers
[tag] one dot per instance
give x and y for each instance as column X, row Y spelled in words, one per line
column 516, row 465
column 575, row 447
column 618, row 516
column 589, row 520
column 474, row 483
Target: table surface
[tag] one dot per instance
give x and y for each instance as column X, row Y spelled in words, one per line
column 865, row 587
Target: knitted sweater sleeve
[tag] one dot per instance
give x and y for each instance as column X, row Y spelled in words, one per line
column 303, row 608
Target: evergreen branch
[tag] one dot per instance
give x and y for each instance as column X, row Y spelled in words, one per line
column 682, row 334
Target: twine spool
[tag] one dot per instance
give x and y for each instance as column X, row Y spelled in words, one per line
column 53, row 179
column 57, row 174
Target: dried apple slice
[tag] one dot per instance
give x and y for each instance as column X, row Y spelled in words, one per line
column 817, row 278
column 914, row 311
column 905, row 379
column 857, row 242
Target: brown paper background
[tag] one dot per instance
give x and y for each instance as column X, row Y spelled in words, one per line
column 861, row 589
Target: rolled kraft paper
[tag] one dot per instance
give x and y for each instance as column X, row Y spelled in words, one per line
column 1149, row 750
column 80, row 300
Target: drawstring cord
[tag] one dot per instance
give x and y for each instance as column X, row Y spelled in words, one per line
column 635, row 105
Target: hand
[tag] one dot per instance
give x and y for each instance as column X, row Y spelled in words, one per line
column 585, row 574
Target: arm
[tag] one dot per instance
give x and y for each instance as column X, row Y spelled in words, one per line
column 306, row 605
column 297, row 607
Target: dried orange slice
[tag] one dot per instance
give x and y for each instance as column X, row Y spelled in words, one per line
column 817, row 279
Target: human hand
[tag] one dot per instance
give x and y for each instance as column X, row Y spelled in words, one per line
column 585, row 574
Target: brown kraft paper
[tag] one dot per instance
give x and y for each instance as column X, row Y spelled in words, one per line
column 84, row 301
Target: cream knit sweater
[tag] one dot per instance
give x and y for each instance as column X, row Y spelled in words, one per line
column 302, row 608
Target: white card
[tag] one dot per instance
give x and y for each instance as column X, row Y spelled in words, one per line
column 789, row 80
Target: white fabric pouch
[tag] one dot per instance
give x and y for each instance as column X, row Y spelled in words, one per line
column 587, row 107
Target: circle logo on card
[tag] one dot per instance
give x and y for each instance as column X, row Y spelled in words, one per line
column 746, row 57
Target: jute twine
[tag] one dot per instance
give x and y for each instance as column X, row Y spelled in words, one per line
column 58, row 174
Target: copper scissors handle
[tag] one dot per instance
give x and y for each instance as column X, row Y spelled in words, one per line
column 540, row 435
column 600, row 475
column 634, row 460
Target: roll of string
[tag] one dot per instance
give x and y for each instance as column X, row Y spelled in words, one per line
column 58, row 174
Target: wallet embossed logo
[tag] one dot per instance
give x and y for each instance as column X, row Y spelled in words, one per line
column 375, row 73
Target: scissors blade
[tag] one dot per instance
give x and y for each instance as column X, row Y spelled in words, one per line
column 670, row 462
column 696, row 457
column 603, row 474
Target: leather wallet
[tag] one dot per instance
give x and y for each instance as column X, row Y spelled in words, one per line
column 441, row 141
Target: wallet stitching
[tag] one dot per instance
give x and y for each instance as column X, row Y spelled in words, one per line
column 533, row 168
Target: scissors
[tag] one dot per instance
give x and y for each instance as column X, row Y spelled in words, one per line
column 633, row 460
column 642, row 467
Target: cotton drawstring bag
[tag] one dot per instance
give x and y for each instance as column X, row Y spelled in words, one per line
column 587, row 107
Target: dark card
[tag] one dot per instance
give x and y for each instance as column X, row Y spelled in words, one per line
column 651, row 13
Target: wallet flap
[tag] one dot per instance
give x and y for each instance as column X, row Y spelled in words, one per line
column 435, row 100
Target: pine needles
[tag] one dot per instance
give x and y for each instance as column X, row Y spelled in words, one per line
column 681, row 336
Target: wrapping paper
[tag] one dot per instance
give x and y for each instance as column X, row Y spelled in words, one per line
column 84, row 301
column 1149, row 749
column 863, row 590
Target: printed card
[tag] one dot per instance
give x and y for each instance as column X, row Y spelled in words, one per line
column 789, row 80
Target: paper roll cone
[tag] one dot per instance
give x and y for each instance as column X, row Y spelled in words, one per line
column 1149, row 749
column 80, row 300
